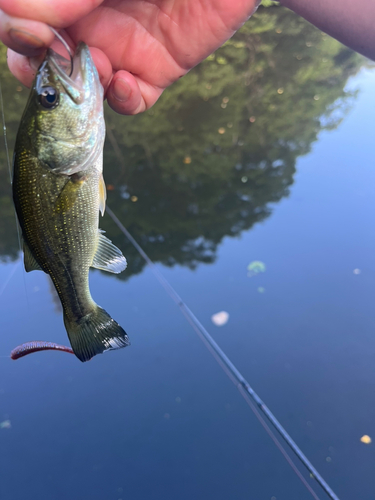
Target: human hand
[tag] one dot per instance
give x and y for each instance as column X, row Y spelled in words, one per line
column 140, row 47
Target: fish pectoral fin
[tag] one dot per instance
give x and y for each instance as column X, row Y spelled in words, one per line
column 29, row 260
column 69, row 194
column 108, row 257
column 102, row 195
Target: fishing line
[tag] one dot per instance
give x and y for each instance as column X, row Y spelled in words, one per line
column 5, row 133
column 248, row 393
column 15, row 215
column 67, row 48
column 10, row 276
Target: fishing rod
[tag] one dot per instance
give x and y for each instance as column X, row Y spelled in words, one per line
column 247, row 392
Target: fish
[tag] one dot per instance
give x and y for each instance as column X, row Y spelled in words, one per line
column 58, row 192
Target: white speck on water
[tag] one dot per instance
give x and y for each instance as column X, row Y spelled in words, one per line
column 366, row 439
column 5, row 424
column 255, row 267
column 220, row 318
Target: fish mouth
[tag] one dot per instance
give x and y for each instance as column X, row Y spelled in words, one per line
column 78, row 75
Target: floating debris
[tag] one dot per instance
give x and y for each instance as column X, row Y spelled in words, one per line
column 134, row 198
column 252, row 119
column 280, row 90
column 328, row 459
column 316, row 98
column 366, row 439
column 220, row 318
column 244, row 179
column 261, row 289
column 178, row 399
column 356, row 271
column 221, row 130
column 167, row 416
column 5, row 424
column 255, row 267
column 110, row 187
column 187, row 160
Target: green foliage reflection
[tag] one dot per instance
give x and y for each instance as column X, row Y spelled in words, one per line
column 219, row 146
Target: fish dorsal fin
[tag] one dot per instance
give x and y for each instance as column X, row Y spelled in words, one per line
column 108, row 257
column 102, row 195
column 29, row 260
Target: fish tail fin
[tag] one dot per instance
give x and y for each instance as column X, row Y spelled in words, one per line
column 95, row 333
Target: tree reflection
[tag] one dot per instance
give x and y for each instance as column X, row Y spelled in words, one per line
column 219, row 146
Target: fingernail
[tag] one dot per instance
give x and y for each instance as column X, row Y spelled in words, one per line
column 25, row 39
column 121, row 90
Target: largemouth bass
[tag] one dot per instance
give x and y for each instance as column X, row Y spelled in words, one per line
column 58, row 191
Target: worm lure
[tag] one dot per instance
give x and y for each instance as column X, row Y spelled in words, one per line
column 36, row 346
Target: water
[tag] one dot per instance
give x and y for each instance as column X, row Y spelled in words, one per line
column 159, row 420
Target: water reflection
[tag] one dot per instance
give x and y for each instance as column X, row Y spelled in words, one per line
column 220, row 145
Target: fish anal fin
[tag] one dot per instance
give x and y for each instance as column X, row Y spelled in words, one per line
column 102, row 195
column 29, row 260
column 108, row 257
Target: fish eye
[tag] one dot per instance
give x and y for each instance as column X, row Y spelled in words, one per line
column 49, row 97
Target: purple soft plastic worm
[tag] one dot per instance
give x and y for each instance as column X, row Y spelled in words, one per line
column 37, row 345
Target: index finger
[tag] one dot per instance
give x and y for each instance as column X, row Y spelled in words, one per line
column 26, row 37
column 56, row 13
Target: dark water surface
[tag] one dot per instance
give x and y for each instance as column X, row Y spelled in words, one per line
column 264, row 152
